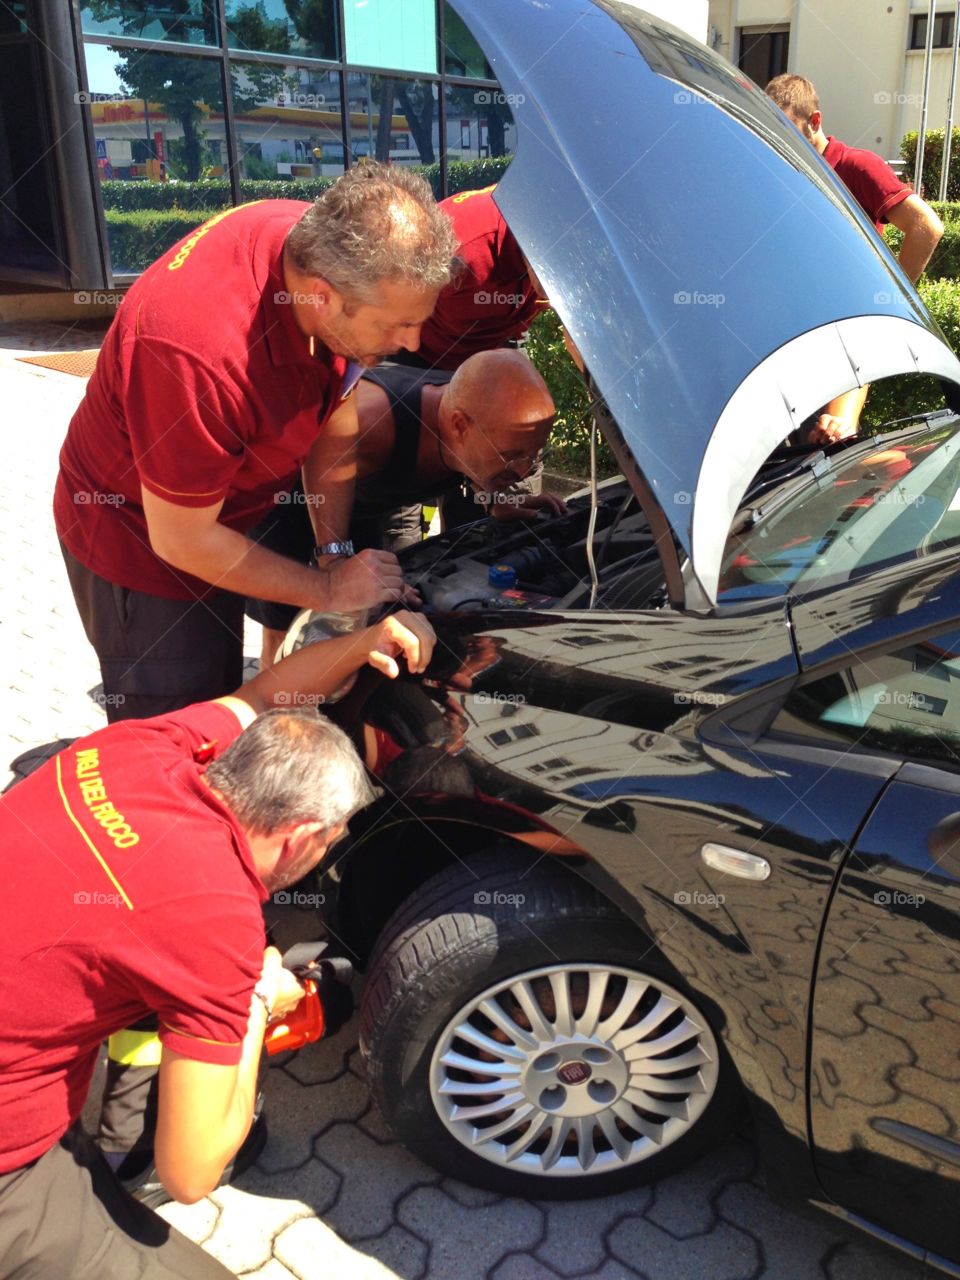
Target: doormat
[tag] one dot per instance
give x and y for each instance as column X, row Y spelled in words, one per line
column 79, row 363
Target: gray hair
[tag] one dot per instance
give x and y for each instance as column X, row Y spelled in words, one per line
column 289, row 766
column 375, row 223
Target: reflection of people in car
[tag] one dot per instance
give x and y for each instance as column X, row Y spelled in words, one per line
column 422, row 433
column 883, row 198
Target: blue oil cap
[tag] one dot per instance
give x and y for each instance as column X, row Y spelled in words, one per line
column 503, row 576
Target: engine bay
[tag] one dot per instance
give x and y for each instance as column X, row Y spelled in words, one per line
column 543, row 564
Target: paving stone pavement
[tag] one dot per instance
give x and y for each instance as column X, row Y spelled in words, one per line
column 332, row 1194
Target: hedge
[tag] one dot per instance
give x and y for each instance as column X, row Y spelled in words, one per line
column 945, row 263
column 933, row 161
column 899, row 397
column 139, row 237
column 214, row 193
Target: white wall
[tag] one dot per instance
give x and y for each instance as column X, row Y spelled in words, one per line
column 688, row 15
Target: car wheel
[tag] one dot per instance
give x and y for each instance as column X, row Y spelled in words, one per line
column 522, row 1035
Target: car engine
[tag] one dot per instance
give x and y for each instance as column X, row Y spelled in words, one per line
column 542, row 564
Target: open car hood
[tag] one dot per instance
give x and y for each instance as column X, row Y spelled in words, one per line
column 718, row 279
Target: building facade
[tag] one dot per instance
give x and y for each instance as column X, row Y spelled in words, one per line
column 865, row 57
column 125, row 123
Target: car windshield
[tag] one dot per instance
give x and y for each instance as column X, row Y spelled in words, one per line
column 899, row 502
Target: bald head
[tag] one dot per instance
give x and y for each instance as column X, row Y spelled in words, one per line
column 495, row 417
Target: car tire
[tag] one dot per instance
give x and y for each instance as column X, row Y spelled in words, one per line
column 484, row 935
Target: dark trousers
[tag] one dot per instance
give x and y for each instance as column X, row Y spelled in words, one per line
column 158, row 655
column 66, row 1217
column 155, row 656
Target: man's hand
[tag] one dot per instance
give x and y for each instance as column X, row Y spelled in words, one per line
column 359, row 582
column 527, row 506
column 282, row 988
column 407, row 634
column 828, row 429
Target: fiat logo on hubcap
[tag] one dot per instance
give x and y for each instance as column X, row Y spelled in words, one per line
column 574, row 1073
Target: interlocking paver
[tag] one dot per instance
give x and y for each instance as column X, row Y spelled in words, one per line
column 333, row 1196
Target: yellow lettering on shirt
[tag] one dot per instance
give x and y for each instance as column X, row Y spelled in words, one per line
column 183, row 253
column 465, row 195
column 94, row 793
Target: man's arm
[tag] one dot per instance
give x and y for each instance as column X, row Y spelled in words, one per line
column 921, row 229
column 194, row 540
column 205, row 1109
column 330, row 473
column 319, row 669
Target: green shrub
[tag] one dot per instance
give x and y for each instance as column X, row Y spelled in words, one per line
column 933, row 161
column 214, row 193
column 140, row 236
column 569, row 448
column 945, row 263
column 899, row 397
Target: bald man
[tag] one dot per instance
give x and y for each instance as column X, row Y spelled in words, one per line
column 425, row 434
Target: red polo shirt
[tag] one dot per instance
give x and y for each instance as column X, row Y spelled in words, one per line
column 205, row 390
column 493, row 301
column 128, row 889
column 871, row 181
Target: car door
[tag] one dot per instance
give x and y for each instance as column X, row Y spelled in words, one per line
column 885, row 1013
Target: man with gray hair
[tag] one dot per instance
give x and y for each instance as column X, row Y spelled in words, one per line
column 135, row 864
column 227, row 371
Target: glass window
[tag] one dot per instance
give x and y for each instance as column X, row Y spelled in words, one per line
column 866, row 511
column 907, row 703
column 393, row 119
column 189, row 21
column 942, row 31
column 479, row 123
column 399, row 34
column 161, row 148
column 13, row 18
column 288, row 123
column 461, row 53
column 283, row 26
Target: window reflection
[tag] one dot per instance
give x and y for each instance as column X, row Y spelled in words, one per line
column 283, row 26
column 461, row 53
column 393, row 119
column 161, row 148
column 479, row 123
column 189, row 21
column 288, row 122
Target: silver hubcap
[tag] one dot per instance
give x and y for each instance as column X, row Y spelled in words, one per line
column 573, row 1070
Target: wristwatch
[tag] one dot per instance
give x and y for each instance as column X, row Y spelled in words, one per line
column 344, row 548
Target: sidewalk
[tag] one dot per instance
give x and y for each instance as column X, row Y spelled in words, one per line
column 333, row 1196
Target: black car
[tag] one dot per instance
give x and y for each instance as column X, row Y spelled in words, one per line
column 670, row 829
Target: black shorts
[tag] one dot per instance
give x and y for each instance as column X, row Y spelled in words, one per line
column 66, row 1216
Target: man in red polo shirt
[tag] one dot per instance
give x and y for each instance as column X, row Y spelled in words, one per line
column 134, row 873
column 227, row 369
column 883, row 198
column 495, row 298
